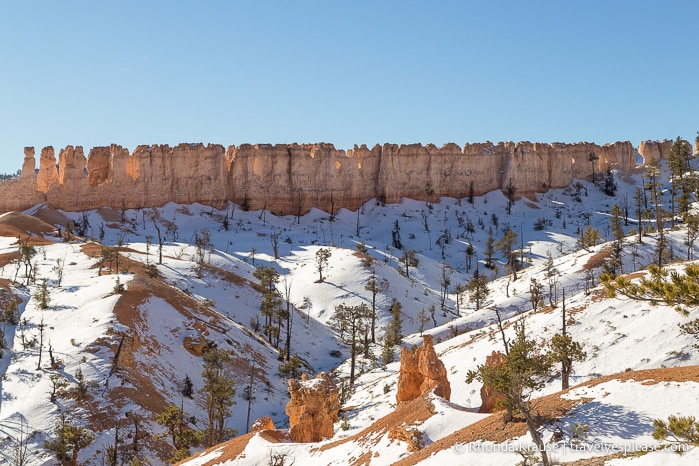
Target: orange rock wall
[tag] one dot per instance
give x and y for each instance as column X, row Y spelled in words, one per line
column 288, row 178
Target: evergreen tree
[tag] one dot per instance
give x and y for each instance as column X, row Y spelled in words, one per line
column 506, row 245
column 409, row 259
column 353, row 320
column 70, row 439
column 616, row 263
column 478, row 289
column 187, row 387
column 218, row 395
column 671, row 288
column 525, row 370
column 375, row 289
column 42, row 296
column 179, row 426
column 609, row 183
column 395, row 236
column 536, row 294
column 638, row 201
column 271, row 304
column 322, row 258
column 394, row 332
column 680, row 184
column 565, row 351
column 490, row 250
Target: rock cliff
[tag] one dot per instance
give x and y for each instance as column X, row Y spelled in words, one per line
column 654, row 150
column 291, row 178
column 421, row 373
column 313, row 408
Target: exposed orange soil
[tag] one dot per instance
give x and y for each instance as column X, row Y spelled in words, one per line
column 547, row 409
column 14, row 224
column 597, row 260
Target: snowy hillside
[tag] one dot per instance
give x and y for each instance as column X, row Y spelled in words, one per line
column 135, row 346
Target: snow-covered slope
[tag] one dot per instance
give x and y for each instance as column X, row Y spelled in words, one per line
column 135, row 347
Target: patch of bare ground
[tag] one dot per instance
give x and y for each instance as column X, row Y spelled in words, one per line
column 14, row 224
column 546, row 410
column 8, row 258
column 51, row 216
column 231, row 277
column 597, row 260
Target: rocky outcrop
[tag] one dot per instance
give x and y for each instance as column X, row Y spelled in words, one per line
column 489, row 398
column 421, row 373
column 654, row 150
column 263, row 423
column 313, row 408
column 291, row 178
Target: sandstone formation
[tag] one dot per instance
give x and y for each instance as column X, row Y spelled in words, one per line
column 488, row 396
column 313, row 408
column 421, row 373
column 292, row 178
column 654, row 150
column 263, row 423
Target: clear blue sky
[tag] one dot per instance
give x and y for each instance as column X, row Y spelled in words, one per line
column 353, row 72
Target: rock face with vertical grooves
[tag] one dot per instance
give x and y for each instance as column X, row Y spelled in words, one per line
column 421, row 373
column 292, row 178
column 313, row 408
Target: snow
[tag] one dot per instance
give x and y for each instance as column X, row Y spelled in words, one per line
column 617, row 334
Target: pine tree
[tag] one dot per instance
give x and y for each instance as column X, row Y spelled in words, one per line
column 395, row 236
column 536, row 294
column 70, row 439
column 394, row 332
column 271, row 299
column 179, row 426
column 490, row 250
column 218, row 395
column 322, row 258
column 478, row 289
column 375, row 289
column 525, row 370
column 506, row 245
column 609, row 183
column 565, row 351
column 409, row 259
column 353, row 319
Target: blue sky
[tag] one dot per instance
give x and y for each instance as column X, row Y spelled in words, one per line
column 360, row 72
